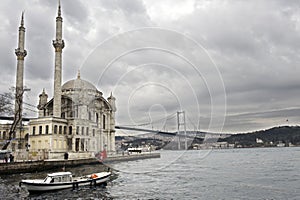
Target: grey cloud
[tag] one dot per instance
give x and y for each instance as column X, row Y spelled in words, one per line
column 255, row 45
column 126, row 6
column 75, row 11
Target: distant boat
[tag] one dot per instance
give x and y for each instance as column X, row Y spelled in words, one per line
column 64, row 180
column 137, row 150
column 280, row 145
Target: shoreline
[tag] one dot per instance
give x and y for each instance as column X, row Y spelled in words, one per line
column 42, row 165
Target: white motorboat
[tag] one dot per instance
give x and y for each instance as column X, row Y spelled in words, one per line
column 64, row 180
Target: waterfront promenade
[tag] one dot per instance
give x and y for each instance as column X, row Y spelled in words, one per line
column 41, row 165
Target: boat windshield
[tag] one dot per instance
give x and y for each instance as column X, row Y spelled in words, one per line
column 47, row 179
column 58, row 179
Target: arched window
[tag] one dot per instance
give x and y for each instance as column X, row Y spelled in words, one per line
column 47, row 129
column 70, row 130
column 60, row 130
column 77, row 130
column 90, row 116
column 97, row 119
column 104, row 120
column 55, row 129
column 26, row 136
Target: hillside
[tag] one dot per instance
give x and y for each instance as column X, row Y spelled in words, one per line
column 277, row 136
column 289, row 135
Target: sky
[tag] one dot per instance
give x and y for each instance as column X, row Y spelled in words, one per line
column 232, row 66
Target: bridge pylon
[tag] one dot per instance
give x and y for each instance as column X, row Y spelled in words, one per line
column 181, row 124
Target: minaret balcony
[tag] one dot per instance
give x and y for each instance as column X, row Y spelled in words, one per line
column 20, row 53
column 58, row 44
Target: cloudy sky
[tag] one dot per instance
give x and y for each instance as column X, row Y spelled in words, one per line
column 232, row 66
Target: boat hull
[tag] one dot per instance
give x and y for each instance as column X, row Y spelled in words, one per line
column 39, row 186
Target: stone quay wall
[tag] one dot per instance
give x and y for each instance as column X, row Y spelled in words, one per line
column 42, row 165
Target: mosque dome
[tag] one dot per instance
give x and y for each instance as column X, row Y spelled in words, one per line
column 78, row 84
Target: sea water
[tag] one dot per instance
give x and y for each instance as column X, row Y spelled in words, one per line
column 257, row 173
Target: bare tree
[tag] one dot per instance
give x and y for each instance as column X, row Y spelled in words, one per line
column 6, row 104
column 17, row 117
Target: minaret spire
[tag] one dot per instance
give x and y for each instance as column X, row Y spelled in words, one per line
column 20, row 53
column 59, row 10
column 22, row 19
column 58, row 45
column 78, row 74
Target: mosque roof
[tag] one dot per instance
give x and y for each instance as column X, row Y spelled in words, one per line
column 78, row 84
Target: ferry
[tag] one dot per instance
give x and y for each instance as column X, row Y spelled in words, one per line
column 64, row 180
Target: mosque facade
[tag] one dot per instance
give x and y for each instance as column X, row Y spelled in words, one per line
column 78, row 120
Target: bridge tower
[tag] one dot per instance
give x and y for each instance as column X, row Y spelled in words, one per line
column 181, row 123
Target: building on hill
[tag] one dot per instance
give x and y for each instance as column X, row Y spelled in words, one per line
column 78, row 120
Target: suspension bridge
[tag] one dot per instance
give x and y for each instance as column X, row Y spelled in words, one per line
column 183, row 133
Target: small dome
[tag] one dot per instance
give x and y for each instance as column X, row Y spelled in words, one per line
column 78, row 84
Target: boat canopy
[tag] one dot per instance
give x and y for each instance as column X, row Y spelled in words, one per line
column 60, row 174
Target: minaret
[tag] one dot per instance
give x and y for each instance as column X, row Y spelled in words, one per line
column 112, row 102
column 58, row 45
column 20, row 53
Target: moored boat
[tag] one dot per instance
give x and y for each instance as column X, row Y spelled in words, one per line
column 64, row 180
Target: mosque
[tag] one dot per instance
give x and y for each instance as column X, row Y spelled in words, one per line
column 78, row 120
